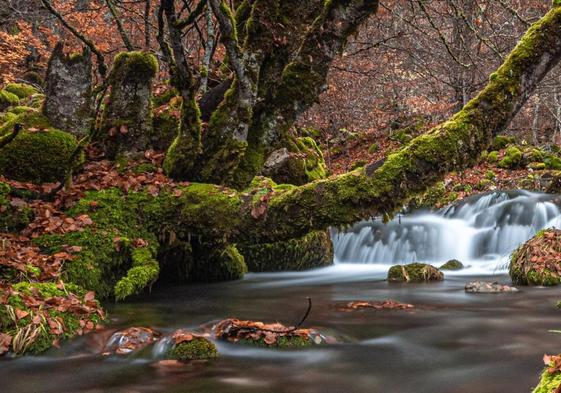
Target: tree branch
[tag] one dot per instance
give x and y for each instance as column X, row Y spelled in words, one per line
column 102, row 68
column 120, row 27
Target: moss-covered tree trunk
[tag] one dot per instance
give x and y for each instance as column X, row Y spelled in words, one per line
column 384, row 187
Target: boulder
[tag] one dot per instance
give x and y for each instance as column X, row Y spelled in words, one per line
column 538, row 261
column 39, row 154
column 68, row 99
column 414, row 272
column 127, row 120
column 452, row 264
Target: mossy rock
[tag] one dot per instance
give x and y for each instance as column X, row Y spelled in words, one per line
column 531, row 265
column 43, row 337
column 452, row 264
column 502, row 141
column 512, row 158
column 311, row 251
column 39, row 153
column 21, row 90
column 282, row 342
column 198, row 348
column 7, row 100
column 414, row 272
column 549, row 382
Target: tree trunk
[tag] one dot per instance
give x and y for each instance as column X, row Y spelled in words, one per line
column 382, row 188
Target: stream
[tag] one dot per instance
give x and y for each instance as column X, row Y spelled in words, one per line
column 450, row 342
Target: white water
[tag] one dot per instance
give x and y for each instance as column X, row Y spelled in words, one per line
column 481, row 232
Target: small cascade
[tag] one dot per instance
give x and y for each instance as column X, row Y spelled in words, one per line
column 480, row 231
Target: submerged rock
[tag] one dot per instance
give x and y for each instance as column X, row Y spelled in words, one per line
column 488, row 287
column 452, row 264
column 130, row 340
column 414, row 272
column 538, row 261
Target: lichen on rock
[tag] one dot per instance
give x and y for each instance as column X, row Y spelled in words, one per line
column 68, row 102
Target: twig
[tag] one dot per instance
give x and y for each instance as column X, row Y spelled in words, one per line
column 9, row 138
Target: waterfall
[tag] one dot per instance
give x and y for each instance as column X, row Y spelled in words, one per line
column 481, row 231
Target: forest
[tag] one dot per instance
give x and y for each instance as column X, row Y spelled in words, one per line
column 280, row 196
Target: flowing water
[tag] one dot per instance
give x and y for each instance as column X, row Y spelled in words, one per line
column 450, row 342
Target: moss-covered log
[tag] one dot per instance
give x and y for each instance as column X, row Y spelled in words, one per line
column 220, row 217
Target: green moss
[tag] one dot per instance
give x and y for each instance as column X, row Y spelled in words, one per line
column 7, row 99
column 109, row 262
column 502, row 141
column 549, row 382
column 142, row 274
column 145, row 167
column 283, row 342
column 197, row 349
column 44, row 338
column 215, row 262
column 311, row 251
column 414, row 272
column 493, row 157
column 484, row 184
column 21, row 90
column 165, row 129
column 490, row 175
column 165, row 97
column 537, row 166
column 6, row 117
column 39, row 153
column 512, row 158
column 358, row 164
column 452, row 264
column 135, row 66
column 18, row 110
